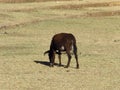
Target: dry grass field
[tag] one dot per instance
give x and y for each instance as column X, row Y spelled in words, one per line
column 26, row 30
column 26, row 1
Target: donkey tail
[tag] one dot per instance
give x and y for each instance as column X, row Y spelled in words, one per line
column 46, row 52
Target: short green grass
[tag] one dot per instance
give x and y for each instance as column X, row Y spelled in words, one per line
column 98, row 42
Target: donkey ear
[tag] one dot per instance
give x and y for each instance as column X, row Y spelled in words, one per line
column 46, row 52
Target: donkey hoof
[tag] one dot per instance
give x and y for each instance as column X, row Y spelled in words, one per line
column 51, row 65
column 77, row 67
column 66, row 67
column 60, row 65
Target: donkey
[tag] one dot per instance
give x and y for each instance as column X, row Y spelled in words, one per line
column 62, row 42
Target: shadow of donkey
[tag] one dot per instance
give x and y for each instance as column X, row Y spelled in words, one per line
column 45, row 63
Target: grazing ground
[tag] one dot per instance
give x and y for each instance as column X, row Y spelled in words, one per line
column 26, row 30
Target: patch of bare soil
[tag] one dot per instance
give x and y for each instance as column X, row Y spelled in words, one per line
column 87, row 5
column 100, row 14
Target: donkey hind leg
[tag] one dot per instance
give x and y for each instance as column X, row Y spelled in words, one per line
column 76, row 56
column 69, row 59
column 59, row 57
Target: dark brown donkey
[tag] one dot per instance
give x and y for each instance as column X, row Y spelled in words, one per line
column 62, row 42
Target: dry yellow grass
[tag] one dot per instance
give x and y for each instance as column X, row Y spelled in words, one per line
column 26, row 31
column 22, row 1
